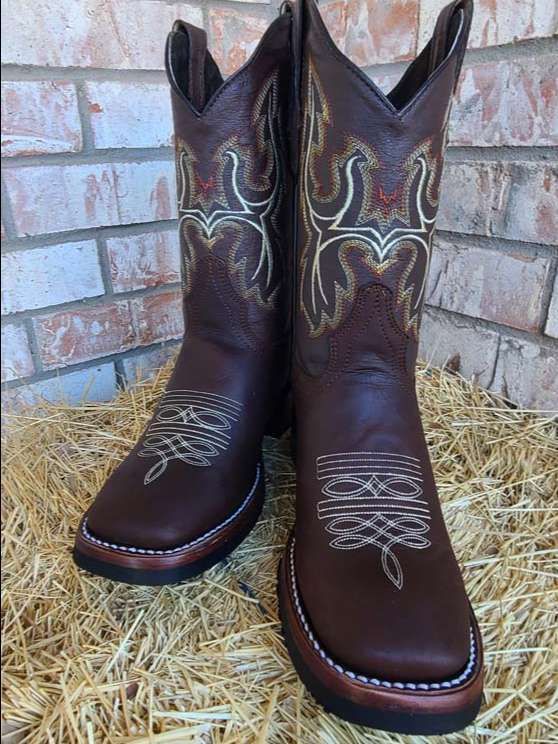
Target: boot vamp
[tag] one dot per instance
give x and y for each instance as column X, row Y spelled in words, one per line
column 180, row 506
column 197, row 460
column 375, row 568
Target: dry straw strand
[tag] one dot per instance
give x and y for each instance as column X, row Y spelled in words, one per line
column 88, row 660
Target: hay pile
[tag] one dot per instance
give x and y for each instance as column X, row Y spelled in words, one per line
column 88, row 660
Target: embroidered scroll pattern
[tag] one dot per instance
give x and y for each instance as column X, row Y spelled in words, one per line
column 356, row 214
column 191, row 426
column 374, row 498
column 241, row 192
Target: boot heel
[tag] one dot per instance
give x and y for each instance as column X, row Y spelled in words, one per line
column 281, row 418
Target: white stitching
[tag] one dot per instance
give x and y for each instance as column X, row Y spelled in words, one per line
column 457, row 681
column 191, row 426
column 149, row 551
column 376, row 503
column 362, row 454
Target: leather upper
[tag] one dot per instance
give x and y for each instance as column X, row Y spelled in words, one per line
column 374, row 565
column 197, row 459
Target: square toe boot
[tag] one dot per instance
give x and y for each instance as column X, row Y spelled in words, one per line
column 193, row 486
column 373, row 605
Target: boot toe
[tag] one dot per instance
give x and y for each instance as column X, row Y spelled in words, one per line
column 417, row 637
column 162, row 515
column 143, row 527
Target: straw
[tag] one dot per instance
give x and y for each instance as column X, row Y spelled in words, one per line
column 88, row 660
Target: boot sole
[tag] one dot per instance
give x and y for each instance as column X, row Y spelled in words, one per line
column 381, row 706
column 148, row 567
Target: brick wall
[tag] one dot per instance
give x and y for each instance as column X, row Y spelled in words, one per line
column 89, row 249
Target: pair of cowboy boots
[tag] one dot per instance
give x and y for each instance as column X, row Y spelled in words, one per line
column 306, row 203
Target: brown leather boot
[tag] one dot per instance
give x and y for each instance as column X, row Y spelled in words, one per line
column 374, row 610
column 193, row 486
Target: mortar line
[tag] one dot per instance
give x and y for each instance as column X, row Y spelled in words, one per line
column 100, row 156
column 503, row 154
column 51, row 374
column 537, row 337
column 33, row 345
column 254, row 8
column 88, row 139
column 490, row 385
column 7, row 214
column 113, row 155
column 43, row 240
column 91, row 302
column 497, row 243
column 120, row 374
column 104, row 263
column 72, row 74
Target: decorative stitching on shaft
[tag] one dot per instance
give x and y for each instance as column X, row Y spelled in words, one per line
column 373, row 681
column 184, row 546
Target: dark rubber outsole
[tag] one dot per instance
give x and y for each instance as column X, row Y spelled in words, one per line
column 425, row 724
column 159, row 577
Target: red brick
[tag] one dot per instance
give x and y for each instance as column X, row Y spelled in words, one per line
column 472, row 351
column 16, row 354
column 39, row 117
column 79, row 335
column 497, row 22
column 119, row 34
column 129, row 114
column 507, row 288
column 74, row 336
column 334, row 15
column 530, row 195
column 40, row 277
column 234, row 36
column 48, row 199
column 551, row 328
column 157, row 317
column 507, row 103
column 526, row 373
column 381, row 32
column 146, row 260
column 467, row 195
column 512, row 200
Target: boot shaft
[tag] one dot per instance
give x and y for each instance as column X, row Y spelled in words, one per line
column 369, row 177
column 234, row 187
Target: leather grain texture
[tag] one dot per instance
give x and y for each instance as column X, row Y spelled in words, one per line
column 197, row 458
column 375, row 568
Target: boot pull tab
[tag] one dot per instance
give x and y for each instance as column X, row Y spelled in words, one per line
column 451, row 34
column 196, row 61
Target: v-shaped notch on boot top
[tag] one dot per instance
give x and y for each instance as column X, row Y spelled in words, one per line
column 373, row 604
column 193, row 485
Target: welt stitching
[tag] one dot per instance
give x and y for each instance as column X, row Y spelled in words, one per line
column 184, row 546
column 373, row 681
